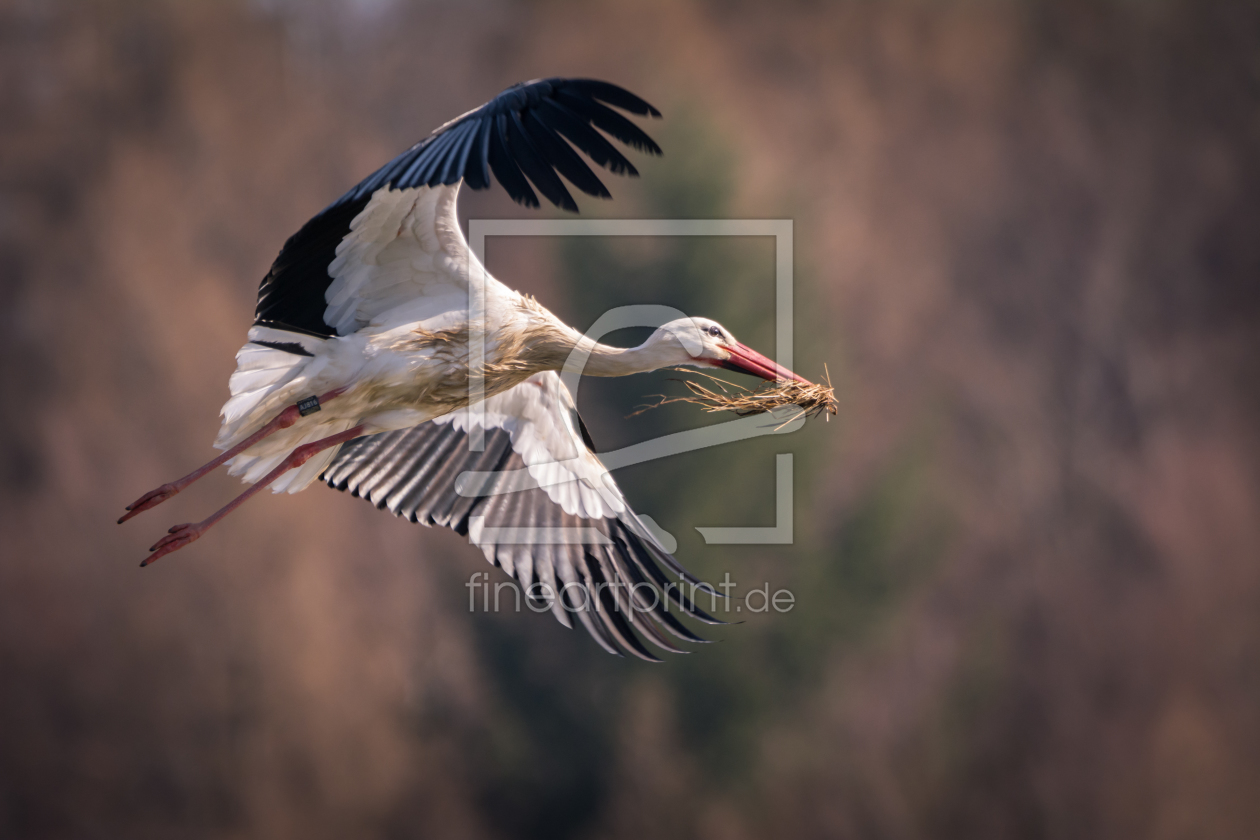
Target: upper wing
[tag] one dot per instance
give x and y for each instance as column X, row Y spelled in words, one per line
column 549, row 514
column 520, row 136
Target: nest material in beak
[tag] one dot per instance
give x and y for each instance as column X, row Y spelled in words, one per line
column 810, row 399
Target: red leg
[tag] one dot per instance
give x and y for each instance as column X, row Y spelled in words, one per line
column 153, row 498
column 181, row 535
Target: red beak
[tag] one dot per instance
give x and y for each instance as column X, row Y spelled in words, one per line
column 747, row 360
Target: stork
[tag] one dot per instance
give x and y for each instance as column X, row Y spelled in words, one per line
column 357, row 368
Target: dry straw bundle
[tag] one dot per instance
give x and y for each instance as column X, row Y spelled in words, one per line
column 810, row 399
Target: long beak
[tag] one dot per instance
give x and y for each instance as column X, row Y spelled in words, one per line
column 747, row 360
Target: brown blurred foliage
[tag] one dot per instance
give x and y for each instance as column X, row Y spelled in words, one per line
column 1030, row 237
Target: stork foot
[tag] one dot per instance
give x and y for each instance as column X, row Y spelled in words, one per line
column 181, row 535
column 149, row 500
column 175, row 539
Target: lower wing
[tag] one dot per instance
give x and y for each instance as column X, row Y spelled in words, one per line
column 541, row 507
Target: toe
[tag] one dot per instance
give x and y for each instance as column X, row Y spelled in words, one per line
column 149, row 500
column 165, row 546
column 177, row 537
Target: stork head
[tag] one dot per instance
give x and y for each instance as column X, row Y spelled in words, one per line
column 706, row 343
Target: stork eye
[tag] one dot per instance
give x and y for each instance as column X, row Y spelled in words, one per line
column 715, row 332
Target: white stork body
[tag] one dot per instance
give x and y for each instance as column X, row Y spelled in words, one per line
column 369, row 307
column 401, row 275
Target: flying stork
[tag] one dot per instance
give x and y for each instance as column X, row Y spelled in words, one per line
column 357, row 368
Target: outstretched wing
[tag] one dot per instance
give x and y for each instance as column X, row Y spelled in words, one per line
column 523, row 136
column 540, row 505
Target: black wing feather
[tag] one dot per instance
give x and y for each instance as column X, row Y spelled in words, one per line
column 477, row 175
column 505, row 168
column 426, row 167
column 563, row 157
column 516, row 135
column 291, row 296
column 535, row 166
column 457, row 161
column 613, row 95
column 578, row 130
column 609, row 120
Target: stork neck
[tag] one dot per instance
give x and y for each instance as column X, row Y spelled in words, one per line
column 553, row 344
column 605, row 360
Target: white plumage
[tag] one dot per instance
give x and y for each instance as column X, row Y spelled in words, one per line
column 367, row 314
column 403, row 267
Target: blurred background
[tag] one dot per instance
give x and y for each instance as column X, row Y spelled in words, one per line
column 1027, row 552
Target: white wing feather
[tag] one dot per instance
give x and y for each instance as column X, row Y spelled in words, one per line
column 404, row 260
column 540, row 416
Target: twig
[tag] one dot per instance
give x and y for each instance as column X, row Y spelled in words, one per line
column 811, row 399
